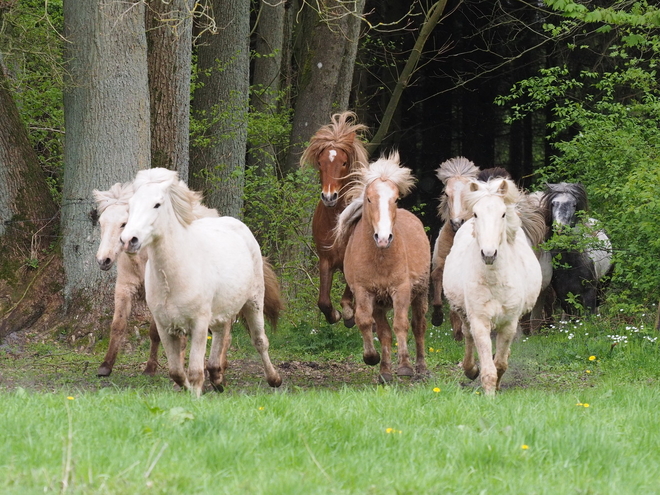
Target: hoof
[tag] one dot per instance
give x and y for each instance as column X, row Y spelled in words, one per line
column 438, row 316
column 473, row 373
column 275, row 381
column 218, row 387
column 104, row 370
column 150, row 370
column 405, row 371
column 350, row 323
column 458, row 335
column 371, row 359
column 385, row 378
column 334, row 317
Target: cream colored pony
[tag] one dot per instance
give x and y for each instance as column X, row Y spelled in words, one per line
column 201, row 274
column 491, row 278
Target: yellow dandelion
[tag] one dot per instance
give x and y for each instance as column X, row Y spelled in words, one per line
column 579, row 404
column 436, row 390
column 585, row 405
column 430, row 349
column 588, row 371
column 592, row 358
column 524, row 447
column 261, row 408
column 389, row 430
column 70, row 398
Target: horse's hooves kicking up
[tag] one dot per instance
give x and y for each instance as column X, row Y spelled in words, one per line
column 405, row 371
column 437, row 317
column 385, row 378
column 371, row 359
column 473, row 373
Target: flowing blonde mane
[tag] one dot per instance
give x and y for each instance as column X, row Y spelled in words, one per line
column 184, row 201
column 119, row 194
column 458, row 166
column 341, row 134
column 385, row 169
column 511, row 197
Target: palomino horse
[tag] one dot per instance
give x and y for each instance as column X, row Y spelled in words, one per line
column 337, row 153
column 491, row 278
column 455, row 174
column 386, row 264
column 201, row 275
column 112, row 207
column 579, row 270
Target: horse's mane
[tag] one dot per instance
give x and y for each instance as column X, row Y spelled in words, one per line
column 533, row 219
column 385, row 169
column 493, row 173
column 185, row 203
column 575, row 189
column 456, row 167
column 340, row 134
column 119, row 194
column 511, row 198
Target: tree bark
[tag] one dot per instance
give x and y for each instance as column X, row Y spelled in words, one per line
column 106, row 114
column 169, row 41
column 220, row 102
column 320, row 71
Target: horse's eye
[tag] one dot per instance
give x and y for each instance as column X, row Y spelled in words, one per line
column 123, row 225
column 157, row 205
column 503, row 215
column 475, row 215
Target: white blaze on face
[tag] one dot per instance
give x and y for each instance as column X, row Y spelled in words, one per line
column 457, row 200
column 331, row 155
column 383, row 229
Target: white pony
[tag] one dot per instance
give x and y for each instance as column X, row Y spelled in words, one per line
column 112, row 207
column 201, row 274
column 491, row 278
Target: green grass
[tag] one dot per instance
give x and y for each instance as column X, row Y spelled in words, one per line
column 577, row 414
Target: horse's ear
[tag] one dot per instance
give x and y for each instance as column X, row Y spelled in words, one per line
column 504, row 187
column 350, row 137
column 474, row 186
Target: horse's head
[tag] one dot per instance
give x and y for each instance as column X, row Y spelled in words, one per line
column 112, row 206
column 158, row 197
column 493, row 211
column 456, row 174
column 334, row 168
column 563, row 201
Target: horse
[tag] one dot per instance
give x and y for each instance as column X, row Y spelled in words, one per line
column 337, row 153
column 386, row 265
column 112, row 208
column 491, row 278
column 456, row 174
column 579, row 269
column 202, row 273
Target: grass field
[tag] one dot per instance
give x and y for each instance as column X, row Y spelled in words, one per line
column 578, row 414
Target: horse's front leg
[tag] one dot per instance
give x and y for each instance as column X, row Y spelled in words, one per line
column 441, row 249
column 419, row 308
column 325, row 286
column 152, row 363
column 480, row 331
column 123, row 301
column 505, row 336
column 470, row 367
column 401, row 303
column 172, row 345
column 198, row 337
column 217, row 363
column 384, row 333
column 364, row 319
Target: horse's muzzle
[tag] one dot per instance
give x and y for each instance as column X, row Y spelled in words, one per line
column 456, row 224
column 105, row 264
column 329, row 200
column 489, row 258
column 132, row 246
column 383, row 243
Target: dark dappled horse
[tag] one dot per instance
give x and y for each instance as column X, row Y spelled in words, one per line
column 337, row 152
column 386, row 265
column 580, row 266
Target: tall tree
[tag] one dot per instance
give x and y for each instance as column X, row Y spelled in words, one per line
column 322, row 69
column 169, row 41
column 220, row 106
column 106, row 112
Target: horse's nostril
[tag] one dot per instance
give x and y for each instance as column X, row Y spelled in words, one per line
column 134, row 241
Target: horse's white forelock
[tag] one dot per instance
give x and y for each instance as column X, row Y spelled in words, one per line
column 510, row 198
column 458, row 166
column 118, row 194
column 386, row 169
column 183, row 199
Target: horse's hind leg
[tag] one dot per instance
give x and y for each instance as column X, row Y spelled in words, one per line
column 123, row 300
column 348, row 313
column 152, row 363
column 254, row 318
column 217, row 363
column 419, row 308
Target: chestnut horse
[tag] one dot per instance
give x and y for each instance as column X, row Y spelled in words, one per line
column 386, row 264
column 337, row 152
column 456, row 174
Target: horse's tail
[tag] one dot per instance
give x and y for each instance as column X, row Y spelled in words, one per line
column 273, row 302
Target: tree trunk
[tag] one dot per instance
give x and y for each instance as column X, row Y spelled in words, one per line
column 267, row 66
column 106, row 114
column 26, row 206
column 169, row 41
column 220, row 103
column 320, row 72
